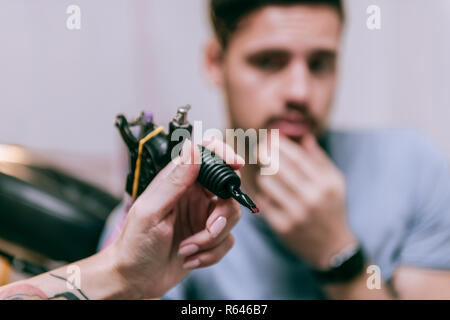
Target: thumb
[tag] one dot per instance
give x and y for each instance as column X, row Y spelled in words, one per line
column 170, row 184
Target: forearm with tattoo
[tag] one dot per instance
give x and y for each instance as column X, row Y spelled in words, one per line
column 25, row 291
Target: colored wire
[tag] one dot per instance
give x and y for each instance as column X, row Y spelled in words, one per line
column 137, row 172
column 5, row 271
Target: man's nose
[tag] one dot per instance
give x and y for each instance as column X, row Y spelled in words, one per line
column 297, row 84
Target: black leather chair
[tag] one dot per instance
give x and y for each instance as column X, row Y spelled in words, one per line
column 50, row 212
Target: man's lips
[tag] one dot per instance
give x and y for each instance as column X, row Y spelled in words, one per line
column 292, row 129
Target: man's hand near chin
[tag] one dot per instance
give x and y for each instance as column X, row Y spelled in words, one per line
column 305, row 204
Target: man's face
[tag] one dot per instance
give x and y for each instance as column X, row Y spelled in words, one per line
column 279, row 69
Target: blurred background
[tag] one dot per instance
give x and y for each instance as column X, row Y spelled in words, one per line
column 60, row 90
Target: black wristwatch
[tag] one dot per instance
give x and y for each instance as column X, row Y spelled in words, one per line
column 345, row 266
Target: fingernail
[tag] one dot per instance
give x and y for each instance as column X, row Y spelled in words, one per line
column 191, row 264
column 218, row 227
column 188, row 250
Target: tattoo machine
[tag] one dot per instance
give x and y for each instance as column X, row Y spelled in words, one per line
column 150, row 150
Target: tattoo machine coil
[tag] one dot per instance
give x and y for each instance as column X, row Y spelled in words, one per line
column 152, row 150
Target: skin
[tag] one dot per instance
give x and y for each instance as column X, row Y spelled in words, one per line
column 279, row 71
column 173, row 227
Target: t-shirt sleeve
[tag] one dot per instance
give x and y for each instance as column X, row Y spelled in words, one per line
column 427, row 243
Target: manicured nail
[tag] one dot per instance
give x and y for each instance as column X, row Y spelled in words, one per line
column 191, row 264
column 188, row 250
column 218, row 227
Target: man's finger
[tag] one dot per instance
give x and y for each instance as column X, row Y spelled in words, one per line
column 291, row 176
column 273, row 215
column 278, row 193
column 225, row 152
column 312, row 147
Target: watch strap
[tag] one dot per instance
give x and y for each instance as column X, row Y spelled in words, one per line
column 346, row 270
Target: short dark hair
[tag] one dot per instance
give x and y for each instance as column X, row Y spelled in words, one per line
column 226, row 14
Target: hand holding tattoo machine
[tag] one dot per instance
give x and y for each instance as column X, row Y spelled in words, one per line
column 152, row 150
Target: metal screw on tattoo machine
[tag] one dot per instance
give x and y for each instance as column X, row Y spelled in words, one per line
column 150, row 150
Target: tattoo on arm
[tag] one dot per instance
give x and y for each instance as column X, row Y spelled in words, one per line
column 22, row 292
column 28, row 292
column 73, row 285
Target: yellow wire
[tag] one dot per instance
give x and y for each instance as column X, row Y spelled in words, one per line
column 5, row 271
column 137, row 172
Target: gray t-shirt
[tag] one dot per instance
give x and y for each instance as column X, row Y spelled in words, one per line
column 398, row 198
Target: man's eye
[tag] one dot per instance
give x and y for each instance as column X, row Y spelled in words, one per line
column 268, row 63
column 321, row 66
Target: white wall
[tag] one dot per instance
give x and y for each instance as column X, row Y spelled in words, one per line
column 399, row 75
column 61, row 89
